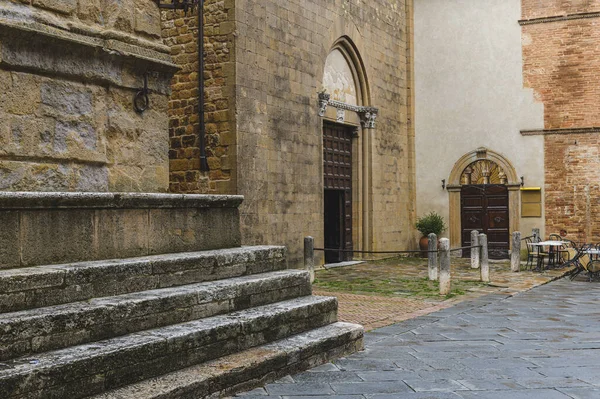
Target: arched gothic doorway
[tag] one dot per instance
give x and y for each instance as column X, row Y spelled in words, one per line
column 346, row 151
column 483, row 190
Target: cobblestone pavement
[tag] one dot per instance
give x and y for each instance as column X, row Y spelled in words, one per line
column 375, row 311
column 543, row 343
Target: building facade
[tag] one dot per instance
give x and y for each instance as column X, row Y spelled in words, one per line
column 307, row 107
column 488, row 106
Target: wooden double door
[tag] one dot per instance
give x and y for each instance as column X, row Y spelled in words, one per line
column 337, row 170
column 485, row 208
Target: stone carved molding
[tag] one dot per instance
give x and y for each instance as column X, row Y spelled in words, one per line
column 569, row 17
column 576, row 130
column 16, row 22
column 368, row 115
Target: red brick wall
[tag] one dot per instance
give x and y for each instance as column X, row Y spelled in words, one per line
column 546, row 8
column 562, row 64
column 573, row 185
column 180, row 33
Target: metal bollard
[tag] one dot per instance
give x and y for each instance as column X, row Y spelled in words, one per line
column 485, row 264
column 309, row 257
column 432, row 257
column 474, row 251
column 445, row 278
column 515, row 256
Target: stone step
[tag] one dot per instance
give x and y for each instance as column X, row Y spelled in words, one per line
column 43, row 329
column 93, row 368
column 249, row 369
column 41, row 286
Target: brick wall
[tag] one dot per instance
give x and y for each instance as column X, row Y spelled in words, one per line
column 561, row 64
column 180, row 32
column 573, row 185
column 546, row 8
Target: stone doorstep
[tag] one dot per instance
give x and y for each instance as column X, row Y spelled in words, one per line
column 41, row 286
column 120, row 361
column 251, row 368
column 44, row 329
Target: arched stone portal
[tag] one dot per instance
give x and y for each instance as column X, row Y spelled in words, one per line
column 479, row 168
column 346, row 151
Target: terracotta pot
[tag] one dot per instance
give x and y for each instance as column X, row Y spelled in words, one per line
column 424, row 246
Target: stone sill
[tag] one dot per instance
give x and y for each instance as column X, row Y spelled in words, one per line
column 80, row 200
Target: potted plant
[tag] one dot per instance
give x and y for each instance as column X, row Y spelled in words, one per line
column 430, row 223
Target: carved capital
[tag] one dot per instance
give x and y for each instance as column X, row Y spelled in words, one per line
column 323, row 102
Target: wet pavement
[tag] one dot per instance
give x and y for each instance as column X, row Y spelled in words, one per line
column 543, row 343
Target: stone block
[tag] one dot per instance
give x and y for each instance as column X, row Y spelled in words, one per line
column 52, row 236
column 62, row 6
column 193, row 230
column 121, row 233
column 147, row 19
column 9, row 239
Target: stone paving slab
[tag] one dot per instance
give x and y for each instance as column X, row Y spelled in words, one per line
column 374, row 311
column 543, row 343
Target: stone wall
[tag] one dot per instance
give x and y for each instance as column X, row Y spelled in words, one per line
column 281, row 49
column 561, row 59
column 265, row 64
column 68, row 74
column 180, row 32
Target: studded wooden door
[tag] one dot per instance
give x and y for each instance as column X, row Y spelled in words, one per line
column 485, row 208
column 337, row 169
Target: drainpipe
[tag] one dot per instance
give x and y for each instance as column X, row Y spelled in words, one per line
column 202, row 128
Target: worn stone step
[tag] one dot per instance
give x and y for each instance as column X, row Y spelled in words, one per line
column 93, row 368
column 249, row 369
column 42, row 286
column 43, row 329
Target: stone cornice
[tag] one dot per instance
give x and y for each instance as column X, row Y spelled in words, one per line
column 62, row 200
column 544, row 132
column 109, row 43
column 556, row 18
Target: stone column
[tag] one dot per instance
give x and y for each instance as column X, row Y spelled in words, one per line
column 515, row 256
column 432, row 257
column 485, row 264
column 309, row 257
column 474, row 251
column 445, row 283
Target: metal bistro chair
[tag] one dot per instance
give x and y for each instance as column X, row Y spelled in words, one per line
column 584, row 262
column 532, row 252
column 553, row 252
column 564, row 255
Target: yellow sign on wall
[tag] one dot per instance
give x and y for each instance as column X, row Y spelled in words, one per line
column 531, row 202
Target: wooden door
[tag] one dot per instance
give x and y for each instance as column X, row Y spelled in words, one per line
column 337, row 169
column 485, row 208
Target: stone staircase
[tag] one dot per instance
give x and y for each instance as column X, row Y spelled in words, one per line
column 203, row 322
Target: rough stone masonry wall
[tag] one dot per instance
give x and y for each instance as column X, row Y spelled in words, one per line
column 561, row 61
column 281, row 48
column 68, row 74
column 180, row 32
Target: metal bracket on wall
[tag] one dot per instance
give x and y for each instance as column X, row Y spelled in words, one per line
column 141, row 101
